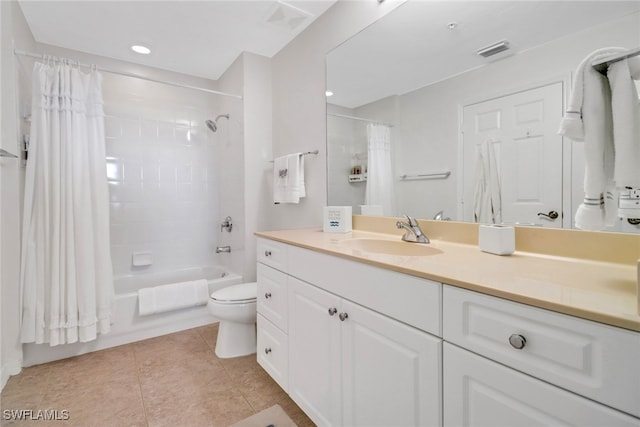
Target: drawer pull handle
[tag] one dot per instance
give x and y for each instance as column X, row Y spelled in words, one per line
column 267, row 350
column 267, row 295
column 332, row 311
column 267, row 253
column 517, row 341
column 343, row 316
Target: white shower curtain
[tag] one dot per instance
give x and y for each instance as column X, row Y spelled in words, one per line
column 66, row 274
column 379, row 189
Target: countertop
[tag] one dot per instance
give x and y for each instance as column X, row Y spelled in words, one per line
column 604, row 292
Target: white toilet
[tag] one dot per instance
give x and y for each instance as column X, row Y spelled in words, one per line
column 235, row 306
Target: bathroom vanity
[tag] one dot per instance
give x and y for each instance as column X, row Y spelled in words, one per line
column 358, row 333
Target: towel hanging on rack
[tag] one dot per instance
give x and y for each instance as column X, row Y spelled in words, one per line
column 288, row 178
column 588, row 119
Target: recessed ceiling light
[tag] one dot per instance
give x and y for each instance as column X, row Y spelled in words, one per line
column 138, row 48
column 328, row 93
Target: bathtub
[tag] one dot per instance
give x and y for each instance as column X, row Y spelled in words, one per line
column 127, row 326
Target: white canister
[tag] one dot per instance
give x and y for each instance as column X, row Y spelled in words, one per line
column 497, row 239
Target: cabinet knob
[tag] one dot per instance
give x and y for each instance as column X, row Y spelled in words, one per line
column 343, row 316
column 267, row 253
column 517, row 341
column 267, row 350
column 332, row 311
column 267, row 295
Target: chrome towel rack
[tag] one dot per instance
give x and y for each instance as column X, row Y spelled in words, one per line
column 602, row 65
column 306, row 153
column 426, row 175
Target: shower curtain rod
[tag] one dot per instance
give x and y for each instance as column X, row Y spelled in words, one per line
column 137, row 76
column 359, row 118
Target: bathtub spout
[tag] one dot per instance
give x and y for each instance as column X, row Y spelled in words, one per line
column 226, row 249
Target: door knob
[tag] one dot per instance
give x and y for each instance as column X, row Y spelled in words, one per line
column 267, row 350
column 267, row 253
column 332, row 311
column 550, row 215
column 343, row 316
column 267, row 295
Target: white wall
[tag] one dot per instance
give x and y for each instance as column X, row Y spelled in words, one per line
column 258, row 152
column 13, row 29
column 299, row 103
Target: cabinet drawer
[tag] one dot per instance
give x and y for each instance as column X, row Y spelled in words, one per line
column 272, row 296
column 588, row 358
column 412, row 300
column 272, row 351
column 273, row 254
column 479, row 392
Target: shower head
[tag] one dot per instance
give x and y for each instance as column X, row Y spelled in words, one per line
column 213, row 124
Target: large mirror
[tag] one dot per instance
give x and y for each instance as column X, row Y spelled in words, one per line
column 415, row 83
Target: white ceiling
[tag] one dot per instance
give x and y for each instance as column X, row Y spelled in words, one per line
column 199, row 38
column 412, row 46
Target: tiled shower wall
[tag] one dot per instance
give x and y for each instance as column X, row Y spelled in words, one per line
column 162, row 184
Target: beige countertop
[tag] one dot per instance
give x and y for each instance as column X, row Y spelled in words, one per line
column 604, row 292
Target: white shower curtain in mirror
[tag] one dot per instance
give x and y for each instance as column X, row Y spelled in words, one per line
column 66, row 275
column 379, row 189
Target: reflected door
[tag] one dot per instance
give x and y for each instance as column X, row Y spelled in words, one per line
column 522, row 128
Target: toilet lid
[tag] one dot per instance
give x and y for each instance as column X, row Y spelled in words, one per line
column 236, row 293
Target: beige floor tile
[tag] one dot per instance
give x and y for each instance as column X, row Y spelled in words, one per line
column 171, row 380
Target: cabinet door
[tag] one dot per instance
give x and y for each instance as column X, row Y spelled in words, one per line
column 314, row 356
column 391, row 371
column 480, row 392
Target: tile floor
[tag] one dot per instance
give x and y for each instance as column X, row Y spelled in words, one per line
column 172, row 380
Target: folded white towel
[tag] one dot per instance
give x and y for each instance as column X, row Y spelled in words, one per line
column 488, row 200
column 588, row 119
column 288, row 179
column 173, row 296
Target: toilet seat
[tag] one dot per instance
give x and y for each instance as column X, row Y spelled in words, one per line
column 236, row 294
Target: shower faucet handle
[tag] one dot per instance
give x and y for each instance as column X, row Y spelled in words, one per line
column 226, row 224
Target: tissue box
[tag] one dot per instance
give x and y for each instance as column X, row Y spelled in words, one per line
column 337, row 219
column 497, row 239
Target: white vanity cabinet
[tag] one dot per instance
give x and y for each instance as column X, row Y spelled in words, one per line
column 349, row 365
column 506, row 363
column 361, row 340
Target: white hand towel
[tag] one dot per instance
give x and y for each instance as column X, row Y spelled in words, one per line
column 588, row 119
column 288, row 179
column 173, row 296
column 488, row 200
column 626, row 122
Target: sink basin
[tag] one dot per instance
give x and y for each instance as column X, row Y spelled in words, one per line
column 391, row 247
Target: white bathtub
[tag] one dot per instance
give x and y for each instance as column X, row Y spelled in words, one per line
column 127, row 326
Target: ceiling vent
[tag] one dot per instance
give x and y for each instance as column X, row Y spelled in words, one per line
column 285, row 16
column 493, row 49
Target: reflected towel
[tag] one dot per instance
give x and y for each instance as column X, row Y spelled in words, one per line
column 625, row 109
column 288, row 179
column 488, row 200
column 588, row 119
column 173, row 296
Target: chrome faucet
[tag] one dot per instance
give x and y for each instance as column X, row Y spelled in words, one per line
column 413, row 232
column 226, row 224
column 226, row 249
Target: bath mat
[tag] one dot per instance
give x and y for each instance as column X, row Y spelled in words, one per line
column 273, row 416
